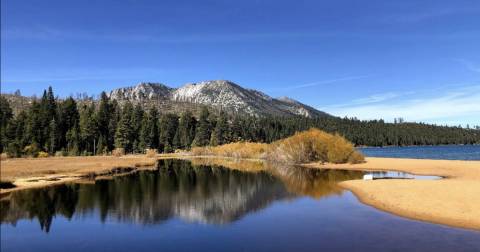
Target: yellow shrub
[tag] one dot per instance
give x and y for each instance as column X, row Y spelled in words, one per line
column 313, row 145
column 42, row 154
column 308, row 146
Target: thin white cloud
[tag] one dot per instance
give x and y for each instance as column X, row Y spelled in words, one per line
column 50, row 33
column 379, row 97
column 428, row 14
column 455, row 106
column 77, row 74
column 324, row 82
column 469, row 65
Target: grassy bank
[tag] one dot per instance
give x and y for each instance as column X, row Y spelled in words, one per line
column 312, row 145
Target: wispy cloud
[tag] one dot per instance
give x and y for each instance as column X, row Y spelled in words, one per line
column 469, row 65
column 325, row 82
column 428, row 14
column 50, row 33
column 77, row 74
column 453, row 106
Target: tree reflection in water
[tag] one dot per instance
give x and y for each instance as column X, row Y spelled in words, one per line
column 197, row 191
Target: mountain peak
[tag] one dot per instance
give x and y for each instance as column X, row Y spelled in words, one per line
column 141, row 91
column 223, row 94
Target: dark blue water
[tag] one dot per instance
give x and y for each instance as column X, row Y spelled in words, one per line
column 185, row 207
column 450, row 152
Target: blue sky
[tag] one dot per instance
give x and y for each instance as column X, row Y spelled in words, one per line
column 372, row 59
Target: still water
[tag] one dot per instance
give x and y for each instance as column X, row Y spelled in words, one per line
column 184, row 206
column 450, row 152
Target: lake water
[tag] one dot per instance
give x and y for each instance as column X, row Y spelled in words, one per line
column 185, row 207
column 451, row 152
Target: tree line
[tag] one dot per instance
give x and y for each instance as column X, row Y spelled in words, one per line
column 66, row 127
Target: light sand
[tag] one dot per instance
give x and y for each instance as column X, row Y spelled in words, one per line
column 39, row 172
column 453, row 201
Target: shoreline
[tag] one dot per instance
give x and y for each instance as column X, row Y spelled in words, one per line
column 27, row 173
column 453, row 200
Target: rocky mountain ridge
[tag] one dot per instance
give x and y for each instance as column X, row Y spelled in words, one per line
column 221, row 94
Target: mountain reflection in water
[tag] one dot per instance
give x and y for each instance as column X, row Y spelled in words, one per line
column 197, row 191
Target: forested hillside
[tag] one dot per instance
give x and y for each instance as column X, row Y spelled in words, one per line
column 65, row 127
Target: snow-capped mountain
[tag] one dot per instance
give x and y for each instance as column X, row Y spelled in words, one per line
column 220, row 94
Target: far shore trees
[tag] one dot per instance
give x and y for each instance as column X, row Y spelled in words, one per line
column 87, row 127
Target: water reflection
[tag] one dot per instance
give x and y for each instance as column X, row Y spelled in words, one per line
column 197, row 191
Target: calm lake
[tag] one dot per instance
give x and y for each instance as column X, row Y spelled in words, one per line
column 185, row 206
column 451, row 152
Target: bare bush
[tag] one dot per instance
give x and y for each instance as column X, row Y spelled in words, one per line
column 151, row 153
column 118, row 152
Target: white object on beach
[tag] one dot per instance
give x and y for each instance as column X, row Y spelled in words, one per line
column 368, row 177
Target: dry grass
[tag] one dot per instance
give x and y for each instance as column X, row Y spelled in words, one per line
column 312, row 145
column 118, row 152
column 234, row 150
column 151, row 153
column 15, row 168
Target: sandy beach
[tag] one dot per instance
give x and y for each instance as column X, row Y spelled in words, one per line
column 453, row 200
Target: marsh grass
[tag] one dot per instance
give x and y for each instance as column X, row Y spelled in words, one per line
column 151, row 153
column 234, row 150
column 118, row 152
column 312, row 145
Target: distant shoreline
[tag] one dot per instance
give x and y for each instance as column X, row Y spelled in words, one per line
column 422, row 145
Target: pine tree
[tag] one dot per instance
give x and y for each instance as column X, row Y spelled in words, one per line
column 88, row 129
column 236, row 130
column 104, row 117
column 136, row 125
column 52, row 139
column 6, row 115
column 203, row 129
column 221, row 131
column 186, row 130
column 149, row 130
column 176, row 140
column 33, row 127
column 168, row 127
column 113, row 123
column 73, row 140
column 124, row 133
